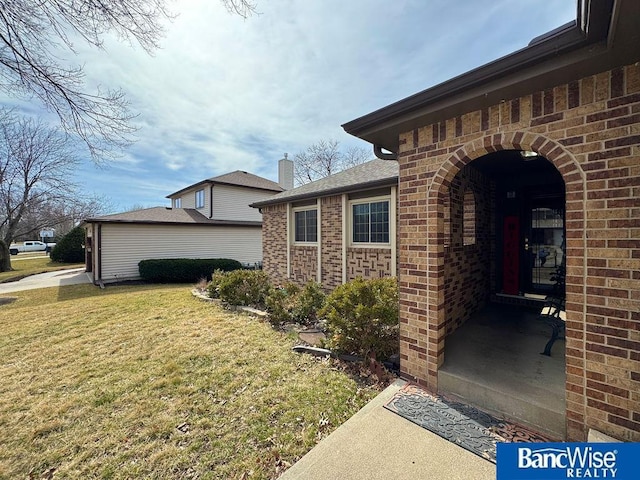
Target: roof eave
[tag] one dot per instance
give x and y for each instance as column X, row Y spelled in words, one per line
column 328, row 192
column 219, row 223
column 201, row 183
column 547, row 61
column 247, row 186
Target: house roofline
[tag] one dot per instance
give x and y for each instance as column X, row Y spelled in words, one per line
column 570, row 52
column 331, row 191
column 209, row 223
column 210, row 182
column 195, row 185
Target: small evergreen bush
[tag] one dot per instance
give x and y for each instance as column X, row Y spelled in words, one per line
column 294, row 304
column 213, row 288
column 242, row 287
column 183, row 270
column 308, row 303
column 362, row 318
column 280, row 303
column 70, row 248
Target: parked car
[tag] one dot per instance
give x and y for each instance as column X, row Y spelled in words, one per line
column 31, row 246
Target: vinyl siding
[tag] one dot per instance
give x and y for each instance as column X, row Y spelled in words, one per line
column 189, row 199
column 123, row 246
column 232, row 203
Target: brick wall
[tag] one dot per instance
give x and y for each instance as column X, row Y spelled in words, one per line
column 274, row 242
column 368, row 262
column 360, row 262
column 331, row 225
column 304, row 264
column 590, row 131
column 470, row 252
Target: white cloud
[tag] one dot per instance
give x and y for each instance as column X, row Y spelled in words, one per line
column 225, row 93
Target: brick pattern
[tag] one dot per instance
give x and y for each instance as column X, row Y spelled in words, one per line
column 274, row 242
column 360, row 261
column 467, row 266
column 331, row 225
column 304, row 264
column 368, row 262
column 590, row 130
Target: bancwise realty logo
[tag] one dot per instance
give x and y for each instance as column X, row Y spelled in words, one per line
column 553, row 461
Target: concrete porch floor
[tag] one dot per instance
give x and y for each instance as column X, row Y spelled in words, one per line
column 493, row 362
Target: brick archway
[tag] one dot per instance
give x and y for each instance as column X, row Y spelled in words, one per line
column 575, row 183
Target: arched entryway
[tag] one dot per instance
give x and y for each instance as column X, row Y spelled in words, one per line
column 503, row 192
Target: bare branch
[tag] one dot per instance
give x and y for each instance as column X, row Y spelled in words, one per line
column 325, row 158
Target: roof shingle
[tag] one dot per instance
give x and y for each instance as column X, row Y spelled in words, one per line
column 166, row 215
column 370, row 174
column 238, row 178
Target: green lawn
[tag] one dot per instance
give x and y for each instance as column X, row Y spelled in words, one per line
column 149, row 382
column 24, row 266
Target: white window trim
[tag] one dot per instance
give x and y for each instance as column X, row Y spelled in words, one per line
column 177, row 202
column 361, row 201
column 204, row 200
column 293, row 224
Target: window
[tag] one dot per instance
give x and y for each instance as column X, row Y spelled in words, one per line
column 371, row 222
column 177, row 203
column 200, row 199
column 306, row 222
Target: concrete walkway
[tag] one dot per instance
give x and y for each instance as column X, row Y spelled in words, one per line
column 376, row 444
column 74, row 276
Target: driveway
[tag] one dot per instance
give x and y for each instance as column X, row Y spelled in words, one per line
column 74, row 276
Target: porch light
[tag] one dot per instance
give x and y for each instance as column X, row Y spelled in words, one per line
column 528, row 155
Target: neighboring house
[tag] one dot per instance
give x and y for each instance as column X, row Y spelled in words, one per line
column 334, row 229
column 538, row 151
column 209, row 219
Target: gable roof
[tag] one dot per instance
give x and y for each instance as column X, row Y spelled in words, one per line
column 605, row 35
column 375, row 173
column 166, row 216
column 238, row 178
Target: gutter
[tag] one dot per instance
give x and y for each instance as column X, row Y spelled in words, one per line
column 591, row 26
column 377, row 151
column 331, row 191
column 210, row 223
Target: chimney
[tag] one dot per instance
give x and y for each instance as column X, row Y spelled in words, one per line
column 285, row 172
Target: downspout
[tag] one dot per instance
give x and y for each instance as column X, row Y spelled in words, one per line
column 377, row 151
column 319, row 240
column 98, row 246
column 211, row 201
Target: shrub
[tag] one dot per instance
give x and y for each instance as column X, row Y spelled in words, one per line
column 183, row 270
column 213, row 288
column 280, row 302
column 362, row 318
column 308, row 302
column 243, row 287
column 70, row 247
column 293, row 304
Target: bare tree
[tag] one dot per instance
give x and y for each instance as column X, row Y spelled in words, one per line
column 325, row 158
column 61, row 216
column 244, row 8
column 33, row 33
column 36, row 163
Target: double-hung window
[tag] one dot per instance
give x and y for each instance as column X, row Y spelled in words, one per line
column 177, row 202
column 306, row 225
column 200, row 199
column 370, row 222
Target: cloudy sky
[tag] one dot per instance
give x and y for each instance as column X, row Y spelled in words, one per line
column 224, row 93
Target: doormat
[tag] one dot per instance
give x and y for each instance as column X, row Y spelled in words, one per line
column 462, row 424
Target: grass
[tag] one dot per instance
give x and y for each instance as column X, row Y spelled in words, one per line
column 149, row 382
column 23, row 267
